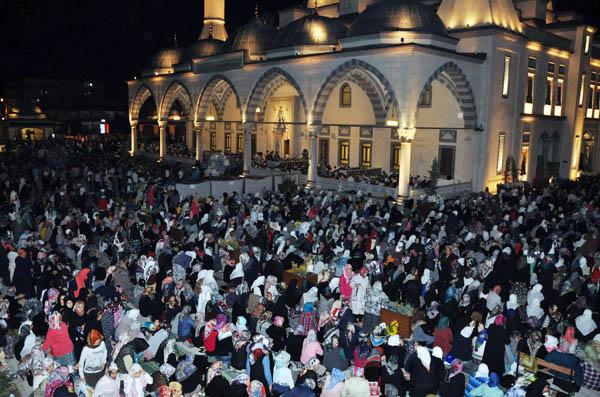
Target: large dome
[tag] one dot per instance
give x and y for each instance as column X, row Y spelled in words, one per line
column 166, row 58
column 204, row 48
column 255, row 37
column 311, row 30
column 397, row 16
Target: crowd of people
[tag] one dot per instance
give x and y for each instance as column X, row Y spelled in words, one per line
column 112, row 284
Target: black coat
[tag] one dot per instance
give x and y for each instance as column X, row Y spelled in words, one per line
column 493, row 355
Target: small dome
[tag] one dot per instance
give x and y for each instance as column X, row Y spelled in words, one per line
column 166, row 58
column 255, row 37
column 397, row 16
column 311, row 30
column 204, row 48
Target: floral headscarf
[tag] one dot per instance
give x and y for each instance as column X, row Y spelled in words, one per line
column 256, row 389
column 53, row 295
column 214, row 370
column 209, row 327
column 185, row 368
column 55, row 321
column 221, row 321
column 58, row 378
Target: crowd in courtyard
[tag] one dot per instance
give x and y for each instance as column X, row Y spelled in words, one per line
column 112, row 284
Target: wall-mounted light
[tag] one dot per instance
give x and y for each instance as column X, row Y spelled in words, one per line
column 210, row 118
column 392, row 121
column 177, row 117
column 258, row 109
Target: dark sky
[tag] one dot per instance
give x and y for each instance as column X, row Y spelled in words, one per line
column 111, row 40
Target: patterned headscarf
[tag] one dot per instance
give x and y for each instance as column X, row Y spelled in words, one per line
column 214, row 370
column 55, row 320
column 337, row 376
column 58, row 378
column 256, row 389
column 185, row 368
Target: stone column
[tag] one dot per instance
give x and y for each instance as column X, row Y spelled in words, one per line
column 313, row 155
column 198, row 132
column 134, row 133
column 162, row 125
column 189, row 134
column 248, row 127
column 404, row 174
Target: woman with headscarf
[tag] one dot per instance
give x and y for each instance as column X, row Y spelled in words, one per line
column 216, row 384
column 77, row 322
column 60, row 383
column 51, row 298
column 135, row 382
column 258, row 366
column 359, row 284
column 345, row 280
column 535, row 293
column 334, row 384
column 482, row 375
column 453, row 384
column 282, row 375
column 109, row 384
column 93, row 359
column 277, row 333
column 224, row 344
column 443, row 335
column 568, row 341
column 532, row 345
column 495, row 346
column 209, row 336
column 334, row 356
column 585, row 325
column 80, row 281
column 375, row 300
column 308, row 319
column 310, row 347
column 423, row 379
column 257, row 389
column 489, row 389
column 58, row 342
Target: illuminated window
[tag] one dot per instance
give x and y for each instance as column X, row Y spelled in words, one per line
column 582, row 90
column 228, row 142
column 587, row 45
column 345, row 96
column 239, row 142
column 506, row 77
column 597, row 103
column 365, row 154
column 590, row 105
column 344, row 153
column 500, row 161
column 559, row 95
column 529, row 95
column 548, row 101
column 395, row 157
column 425, row 99
column 213, row 140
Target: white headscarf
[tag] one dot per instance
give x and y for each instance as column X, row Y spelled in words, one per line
column 424, row 356
column 534, row 309
column 585, row 324
column 482, row 371
column 512, row 303
column 535, row 293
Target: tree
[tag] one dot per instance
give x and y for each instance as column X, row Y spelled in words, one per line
column 434, row 175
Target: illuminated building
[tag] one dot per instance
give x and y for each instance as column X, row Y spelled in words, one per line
column 390, row 84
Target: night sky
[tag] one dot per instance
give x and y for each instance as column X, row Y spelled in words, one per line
column 112, row 40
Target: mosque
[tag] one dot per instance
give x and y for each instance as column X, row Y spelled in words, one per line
column 389, row 84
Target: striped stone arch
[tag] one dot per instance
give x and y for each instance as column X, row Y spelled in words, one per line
column 451, row 76
column 176, row 91
column 268, row 83
column 375, row 85
column 206, row 97
column 140, row 97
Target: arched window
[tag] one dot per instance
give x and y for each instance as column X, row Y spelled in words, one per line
column 345, row 96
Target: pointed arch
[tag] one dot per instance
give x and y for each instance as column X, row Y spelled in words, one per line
column 453, row 78
column 176, row 91
column 141, row 96
column 267, row 84
column 375, row 85
column 207, row 97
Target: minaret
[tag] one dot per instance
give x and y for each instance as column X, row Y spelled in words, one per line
column 214, row 18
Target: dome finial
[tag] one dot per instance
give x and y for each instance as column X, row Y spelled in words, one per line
column 256, row 10
column 210, row 31
column 175, row 39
